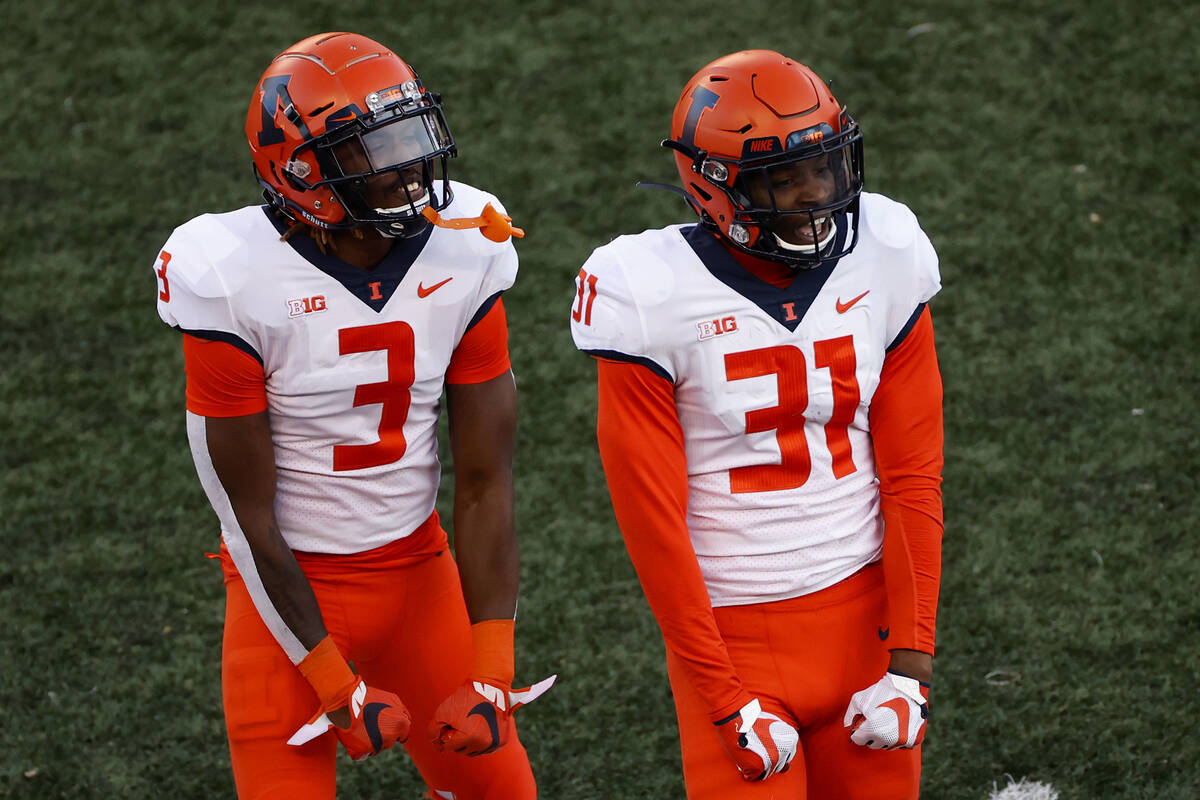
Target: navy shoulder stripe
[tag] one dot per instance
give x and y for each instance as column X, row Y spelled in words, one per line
column 908, row 326
column 614, row 355
column 483, row 310
column 228, row 338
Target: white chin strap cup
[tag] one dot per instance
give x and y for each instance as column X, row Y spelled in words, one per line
column 809, row 248
column 408, row 208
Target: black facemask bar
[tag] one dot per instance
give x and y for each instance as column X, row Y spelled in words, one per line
column 809, row 196
column 385, row 167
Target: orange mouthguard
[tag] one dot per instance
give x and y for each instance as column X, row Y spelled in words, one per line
column 491, row 223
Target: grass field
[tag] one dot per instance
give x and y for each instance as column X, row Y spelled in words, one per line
column 1050, row 151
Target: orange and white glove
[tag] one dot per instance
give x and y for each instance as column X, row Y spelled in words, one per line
column 378, row 719
column 890, row 715
column 760, row 743
column 477, row 717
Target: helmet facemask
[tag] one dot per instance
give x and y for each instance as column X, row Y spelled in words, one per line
column 385, row 167
column 798, row 207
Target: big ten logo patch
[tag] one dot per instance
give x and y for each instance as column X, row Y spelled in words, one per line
column 306, row 305
column 708, row 328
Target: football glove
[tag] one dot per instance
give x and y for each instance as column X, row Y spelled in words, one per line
column 760, row 743
column 889, row 715
column 378, row 720
column 476, row 718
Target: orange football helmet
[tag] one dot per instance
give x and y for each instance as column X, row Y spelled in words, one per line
column 742, row 125
column 344, row 135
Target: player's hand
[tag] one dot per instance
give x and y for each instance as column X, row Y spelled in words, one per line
column 760, row 743
column 378, row 720
column 889, row 715
column 477, row 717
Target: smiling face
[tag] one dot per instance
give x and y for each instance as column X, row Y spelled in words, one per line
column 797, row 187
column 392, row 191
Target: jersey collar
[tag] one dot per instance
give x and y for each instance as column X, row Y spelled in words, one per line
column 373, row 287
column 786, row 305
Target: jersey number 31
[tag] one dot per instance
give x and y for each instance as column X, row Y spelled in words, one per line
column 788, row 365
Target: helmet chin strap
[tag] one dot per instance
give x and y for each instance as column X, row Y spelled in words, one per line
column 809, row 249
column 414, row 207
column 401, row 227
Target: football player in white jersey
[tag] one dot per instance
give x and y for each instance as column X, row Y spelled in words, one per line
column 319, row 332
column 770, row 425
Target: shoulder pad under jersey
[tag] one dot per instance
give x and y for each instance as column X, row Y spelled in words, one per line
column 890, row 223
column 895, row 226
column 617, row 292
column 498, row 259
column 201, row 268
column 912, row 263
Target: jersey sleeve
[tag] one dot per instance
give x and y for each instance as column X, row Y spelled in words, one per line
column 642, row 450
column 194, row 296
column 501, row 273
column 912, row 266
column 906, row 429
column 482, row 353
column 222, row 381
column 498, row 260
column 608, row 319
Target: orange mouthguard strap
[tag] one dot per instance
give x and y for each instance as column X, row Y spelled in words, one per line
column 492, row 640
column 329, row 674
column 492, row 224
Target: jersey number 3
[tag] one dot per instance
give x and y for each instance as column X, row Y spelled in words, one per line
column 788, row 365
column 587, row 284
column 396, row 338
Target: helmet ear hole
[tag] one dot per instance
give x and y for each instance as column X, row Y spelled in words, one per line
column 295, row 176
column 715, row 171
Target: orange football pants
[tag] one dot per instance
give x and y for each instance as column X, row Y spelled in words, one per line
column 803, row 658
column 402, row 623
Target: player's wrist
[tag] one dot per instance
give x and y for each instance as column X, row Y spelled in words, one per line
column 913, row 664
column 722, row 713
column 330, row 676
column 492, row 659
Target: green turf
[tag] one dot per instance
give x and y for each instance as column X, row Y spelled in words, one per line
column 1050, row 152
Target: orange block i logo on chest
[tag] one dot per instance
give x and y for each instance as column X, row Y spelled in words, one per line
column 708, row 328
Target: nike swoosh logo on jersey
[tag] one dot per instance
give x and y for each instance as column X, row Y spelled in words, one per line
column 423, row 292
column 842, row 308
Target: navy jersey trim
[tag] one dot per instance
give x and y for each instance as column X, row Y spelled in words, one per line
column 374, row 287
column 483, row 310
column 227, row 338
column 786, row 305
column 907, row 329
column 614, row 355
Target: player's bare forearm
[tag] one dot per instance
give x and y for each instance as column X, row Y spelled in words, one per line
column 287, row 586
column 912, row 663
column 486, row 550
column 482, row 432
column 244, row 459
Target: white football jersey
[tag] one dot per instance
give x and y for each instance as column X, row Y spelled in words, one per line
column 772, row 386
column 354, row 359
